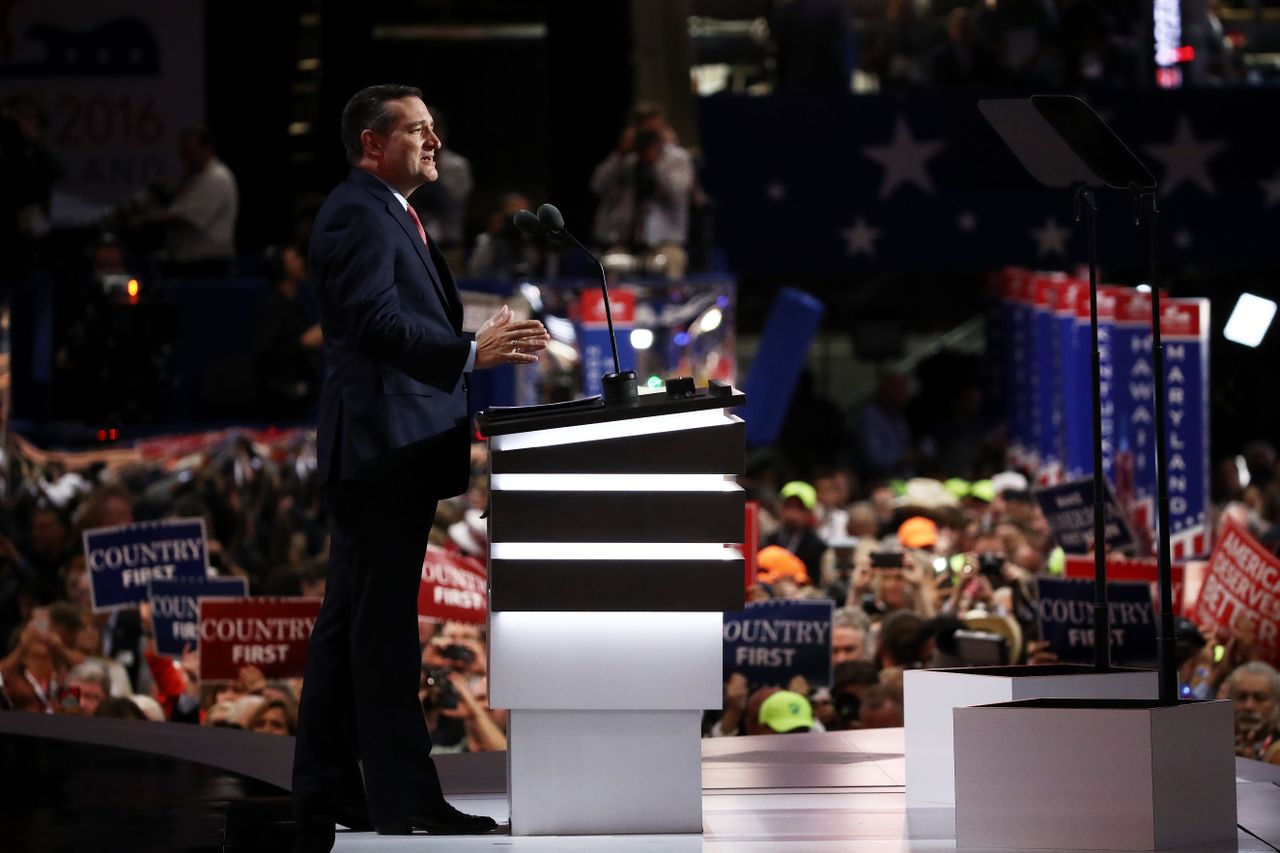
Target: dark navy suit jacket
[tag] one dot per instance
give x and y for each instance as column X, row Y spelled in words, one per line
column 395, row 397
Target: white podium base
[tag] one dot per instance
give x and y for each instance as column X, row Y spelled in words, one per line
column 930, row 695
column 605, row 772
column 1094, row 775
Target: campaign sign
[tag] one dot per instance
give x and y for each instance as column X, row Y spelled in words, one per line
column 593, row 335
column 1243, row 580
column 1019, row 300
column 123, row 560
column 771, row 642
column 1069, row 510
column 1145, row 569
column 1184, row 327
column 175, row 608
column 1045, row 373
column 1075, row 422
column 1064, row 611
column 454, row 586
column 269, row 633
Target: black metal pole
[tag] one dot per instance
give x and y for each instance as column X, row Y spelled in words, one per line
column 1085, row 201
column 1168, row 639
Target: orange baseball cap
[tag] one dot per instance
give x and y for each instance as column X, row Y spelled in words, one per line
column 918, row 532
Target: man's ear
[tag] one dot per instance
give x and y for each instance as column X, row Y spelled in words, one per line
column 371, row 143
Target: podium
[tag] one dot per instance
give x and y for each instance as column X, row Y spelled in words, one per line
column 613, row 533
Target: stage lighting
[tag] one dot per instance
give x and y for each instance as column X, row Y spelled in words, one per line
column 1249, row 320
column 641, row 338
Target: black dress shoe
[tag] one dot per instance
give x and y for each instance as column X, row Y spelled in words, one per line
column 354, row 818
column 443, row 820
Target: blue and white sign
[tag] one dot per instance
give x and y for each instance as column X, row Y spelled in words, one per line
column 1077, row 384
column 1135, row 409
column 1046, row 373
column 1068, row 509
column 1064, row 611
column 123, row 560
column 771, row 642
column 175, row 608
column 1184, row 327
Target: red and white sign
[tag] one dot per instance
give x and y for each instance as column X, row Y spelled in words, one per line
column 1132, row 569
column 622, row 303
column 269, row 633
column 1243, row 580
column 454, row 587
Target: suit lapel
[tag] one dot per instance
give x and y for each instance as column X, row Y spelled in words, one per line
column 401, row 216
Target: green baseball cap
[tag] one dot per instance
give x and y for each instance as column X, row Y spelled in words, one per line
column 806, row 493
column 785, row 712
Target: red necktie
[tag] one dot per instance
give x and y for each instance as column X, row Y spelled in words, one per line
column 422, row 232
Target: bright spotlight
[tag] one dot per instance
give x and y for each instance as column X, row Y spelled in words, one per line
column 711, row 320
column 641, row 338
column 1143, row 288
column 1250, row 320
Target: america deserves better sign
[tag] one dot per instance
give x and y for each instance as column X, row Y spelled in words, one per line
column 1243, row 580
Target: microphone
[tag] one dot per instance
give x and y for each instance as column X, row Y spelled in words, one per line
column 527, row 223
column 619, row 385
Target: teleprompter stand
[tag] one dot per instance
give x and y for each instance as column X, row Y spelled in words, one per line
column 1126, row 774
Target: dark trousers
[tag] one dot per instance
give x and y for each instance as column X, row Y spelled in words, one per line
column 360, row 690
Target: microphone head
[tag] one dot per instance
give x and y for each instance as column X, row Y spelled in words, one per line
column 549, row 216
column 527, row 223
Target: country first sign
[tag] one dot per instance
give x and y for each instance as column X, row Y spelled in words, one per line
column 269, row 633
column 123, row 560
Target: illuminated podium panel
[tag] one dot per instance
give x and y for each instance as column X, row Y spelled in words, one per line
column 613, row 553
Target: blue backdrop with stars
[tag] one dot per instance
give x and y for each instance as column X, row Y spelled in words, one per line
column 823, row 184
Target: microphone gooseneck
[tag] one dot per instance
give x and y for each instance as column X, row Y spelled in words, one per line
column 617, row 385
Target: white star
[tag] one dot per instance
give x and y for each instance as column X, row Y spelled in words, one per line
column 776, row 191
column 1182, row 239
column 1272, row 189
column 860, row 238
column 966, row 221
column 903, row 160
column 1050, row 237
column 1186, row 159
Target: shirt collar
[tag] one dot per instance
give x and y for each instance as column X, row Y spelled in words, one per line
column 404, row 202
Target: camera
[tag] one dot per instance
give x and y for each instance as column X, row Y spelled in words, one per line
column 458, row 653
column 991, row 566
column 439, row 692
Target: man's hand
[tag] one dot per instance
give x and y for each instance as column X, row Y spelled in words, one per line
column 503, row 340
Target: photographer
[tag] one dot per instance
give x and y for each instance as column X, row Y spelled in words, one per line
column 454, row 697
column 644, row 188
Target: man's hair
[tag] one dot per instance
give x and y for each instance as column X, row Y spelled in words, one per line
column 851, row 617
column 64, row 615
column 1264, row 670
column 854, row 672
column 902, row 638
column 879, row 695
column 202, row 135
column 93, row 672
column 368, row 109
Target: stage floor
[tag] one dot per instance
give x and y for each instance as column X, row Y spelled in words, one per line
column 816, row 793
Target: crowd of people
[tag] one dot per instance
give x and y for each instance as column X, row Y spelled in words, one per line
column 878, row 44
column 905, row 563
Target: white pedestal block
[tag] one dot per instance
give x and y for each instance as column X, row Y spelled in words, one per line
column 1082, row 775
column 930, row 695
column 605, row 772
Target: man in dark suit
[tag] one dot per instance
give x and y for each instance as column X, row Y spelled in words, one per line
column 393, row 438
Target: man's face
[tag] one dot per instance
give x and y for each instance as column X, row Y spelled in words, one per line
column 794, row 515
column 846, row 645
column 48, row 536
column 887, row 715
column 91, row 696
column 406, row 157
column 1251, row 695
